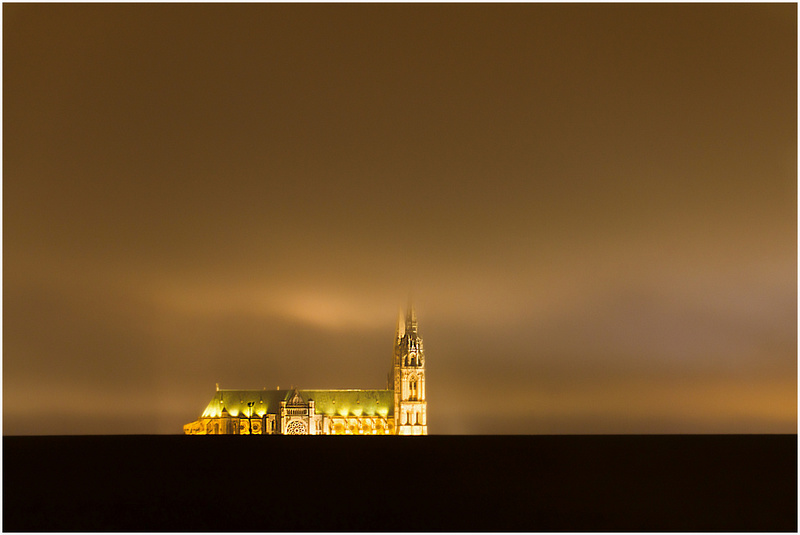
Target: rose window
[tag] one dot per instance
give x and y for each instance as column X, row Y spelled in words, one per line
column 296, row 428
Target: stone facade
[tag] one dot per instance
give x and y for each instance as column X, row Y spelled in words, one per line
column 401, row 409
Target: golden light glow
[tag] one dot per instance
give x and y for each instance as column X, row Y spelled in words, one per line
column 330, row 312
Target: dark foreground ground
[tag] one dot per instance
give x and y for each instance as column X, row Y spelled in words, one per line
column 435, row 483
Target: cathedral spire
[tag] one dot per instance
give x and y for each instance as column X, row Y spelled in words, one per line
column 401, row 325
column 411, row 319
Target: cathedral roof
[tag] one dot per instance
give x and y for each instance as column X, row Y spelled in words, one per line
column 329, row 402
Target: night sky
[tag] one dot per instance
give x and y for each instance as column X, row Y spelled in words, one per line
column 594, row 208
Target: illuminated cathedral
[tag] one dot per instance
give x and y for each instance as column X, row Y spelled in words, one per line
column 401, row 409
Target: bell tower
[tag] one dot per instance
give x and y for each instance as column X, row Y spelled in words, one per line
column 407, row 377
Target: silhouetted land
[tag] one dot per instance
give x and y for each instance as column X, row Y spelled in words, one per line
column 435, row 483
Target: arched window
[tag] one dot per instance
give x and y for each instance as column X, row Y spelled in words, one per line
column 412, row 386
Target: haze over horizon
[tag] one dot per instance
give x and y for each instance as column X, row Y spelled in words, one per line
column 594, row 206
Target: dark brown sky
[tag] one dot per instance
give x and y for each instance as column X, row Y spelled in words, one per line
column 594, row 206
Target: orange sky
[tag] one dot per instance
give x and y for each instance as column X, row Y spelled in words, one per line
column 593, row 205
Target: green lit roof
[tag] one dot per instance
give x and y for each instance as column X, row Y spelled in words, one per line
column 236, row 402
column 329, row 402
column 351, row 402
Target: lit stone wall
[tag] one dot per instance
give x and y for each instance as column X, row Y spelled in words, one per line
column 355, row 425
column 321, row 425
column 232, row 426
